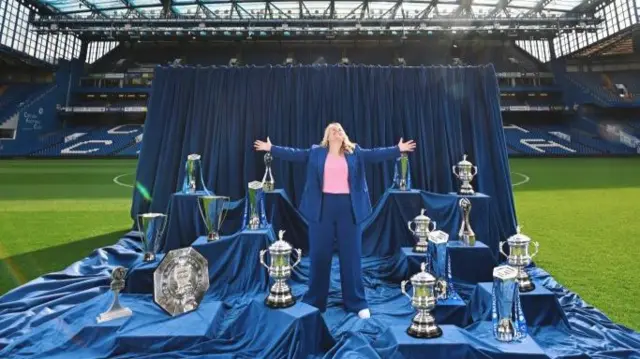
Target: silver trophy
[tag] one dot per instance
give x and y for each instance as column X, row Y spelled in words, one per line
column 439, row 262
column 465, row 171
column 213, row 210
column 503, row 300
column 180, row 281
column 280, row 270
column 421, row 232
column 519, row 257
column 255, row 195
column 466, row 235
column 151, row 226
column 116, row 310
column 423, row 324
column 402, row 172
column 192, row 173
column 267, row 180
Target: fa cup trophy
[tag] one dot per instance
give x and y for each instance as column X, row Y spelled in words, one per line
column 193, row 175
column 423, row 300
column 519, row 258
column 213, row 210
column 116, row 310
column 421, row 231
column 280, row 270
column 466, row 234
column 151, row 226
column 440, row 264
column 401, row 176
column 465, row 171
column 506, row 312
column 267, row 180
column 254, row 216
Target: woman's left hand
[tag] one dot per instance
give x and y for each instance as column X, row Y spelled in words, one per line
column 408, row 146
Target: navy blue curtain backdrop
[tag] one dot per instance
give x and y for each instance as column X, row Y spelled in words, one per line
column 219, row 112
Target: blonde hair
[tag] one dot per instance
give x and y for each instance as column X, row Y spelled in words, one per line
column 347, row 145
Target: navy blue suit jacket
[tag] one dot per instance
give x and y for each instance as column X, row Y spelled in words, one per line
column 315, row 157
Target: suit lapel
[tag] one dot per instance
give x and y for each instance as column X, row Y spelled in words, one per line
column 322, row 158
column 351, row 159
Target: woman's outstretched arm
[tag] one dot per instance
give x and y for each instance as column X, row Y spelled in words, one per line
column 381, row 154
column 284, row 153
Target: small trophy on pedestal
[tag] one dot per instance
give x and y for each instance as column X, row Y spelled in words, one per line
column 151, row 226
column 421, row 232
column 268, row 183
column 506, row 312
column 116, row 310
column 254, row 217
column 401, row 176
column 465, row 171
column 280, row 270
column 193, row 175
column 466, row 234
column 213, row 210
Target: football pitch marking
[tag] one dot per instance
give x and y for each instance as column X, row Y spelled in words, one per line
column 116, row 180
column 524, row 180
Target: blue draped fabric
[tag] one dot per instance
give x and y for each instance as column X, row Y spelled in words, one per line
column 220, row 111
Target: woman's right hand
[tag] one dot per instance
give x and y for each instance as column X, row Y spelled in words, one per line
column 262, row 146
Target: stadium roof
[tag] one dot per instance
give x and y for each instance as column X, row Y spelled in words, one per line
column 244, row 9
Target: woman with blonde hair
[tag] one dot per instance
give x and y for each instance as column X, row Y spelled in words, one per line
column 334, row 201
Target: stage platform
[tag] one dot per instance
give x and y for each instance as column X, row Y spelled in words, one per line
column 55, row 316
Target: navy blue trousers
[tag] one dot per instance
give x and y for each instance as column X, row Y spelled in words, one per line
column 336, row 222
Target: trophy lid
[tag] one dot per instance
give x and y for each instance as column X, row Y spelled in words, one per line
column 280, row 246
column 423, row 277
column 518, row 238
column 421, row 217
column 464, row 162
column 193, row 157
column 505, row 272
column 438, row 237
column 255, row 185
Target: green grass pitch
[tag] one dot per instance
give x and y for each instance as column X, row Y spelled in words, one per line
column 582, row 211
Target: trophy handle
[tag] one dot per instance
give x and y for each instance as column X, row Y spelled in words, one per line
column 299, row 257
column 204, row 218
column 475, row 171
column 411, row 229
column 224, row 213
column 403, row 285
column 453, row 169
column 500, row 246
column 262, row 252
column 434, row 226
column 164, row 226
column 537, row 247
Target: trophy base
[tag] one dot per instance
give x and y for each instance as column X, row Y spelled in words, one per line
column 211, row 237
column 279, row 303
column 114, row 314
column 524, row 281
column 149, row 257
column 268, row 186
column 468, row 240
column 420, row 248
column 425, row 333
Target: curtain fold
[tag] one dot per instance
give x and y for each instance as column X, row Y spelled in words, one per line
column 219, row 111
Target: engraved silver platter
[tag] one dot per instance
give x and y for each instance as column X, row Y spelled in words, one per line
column 181, row 281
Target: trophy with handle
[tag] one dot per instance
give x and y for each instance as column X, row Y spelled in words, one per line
column 422, row 229
column 213, row 210
column 280, row 270
column 520, row 258
column 465, row 171
column 151, row 226
column 116, row 310
column 423, row 324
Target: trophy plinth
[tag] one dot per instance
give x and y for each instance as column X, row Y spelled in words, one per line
column 213, row 210
column 151, row 226
column 116, row 310
column 280, row 270
column 465, row 171
column 520, row 258
column 421, row 232
column 423, row 324
column 466, row 233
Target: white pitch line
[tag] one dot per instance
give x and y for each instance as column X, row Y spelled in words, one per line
column 525, row 179
column 116, row 180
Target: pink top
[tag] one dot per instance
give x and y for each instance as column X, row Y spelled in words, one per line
column 336, row 175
